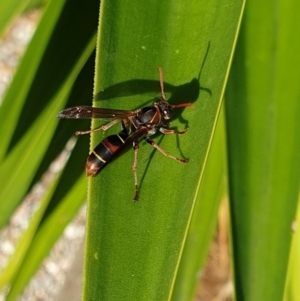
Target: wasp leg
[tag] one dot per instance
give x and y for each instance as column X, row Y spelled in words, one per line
column 169, row 131
column 165, row 153
column 134, row 168
column 103, row 127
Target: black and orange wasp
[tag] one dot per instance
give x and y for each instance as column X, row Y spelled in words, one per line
column 135, row 125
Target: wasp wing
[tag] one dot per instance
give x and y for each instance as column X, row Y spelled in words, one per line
column 87, row 112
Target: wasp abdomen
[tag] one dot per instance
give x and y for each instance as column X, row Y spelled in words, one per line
column 103, row 153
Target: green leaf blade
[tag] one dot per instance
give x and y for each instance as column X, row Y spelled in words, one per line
column 263, row 148
column 135, row 249
column 37, row 94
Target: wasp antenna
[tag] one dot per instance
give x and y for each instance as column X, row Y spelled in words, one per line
column 161, row 80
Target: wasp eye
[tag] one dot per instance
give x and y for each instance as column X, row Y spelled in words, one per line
column 167, row 114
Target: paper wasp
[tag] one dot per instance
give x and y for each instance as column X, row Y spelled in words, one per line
column 136, row 125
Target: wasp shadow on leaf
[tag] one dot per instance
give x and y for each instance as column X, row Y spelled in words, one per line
column 185, row 93
column 188, row 92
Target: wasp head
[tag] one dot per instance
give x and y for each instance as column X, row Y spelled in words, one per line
column 165, row 109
